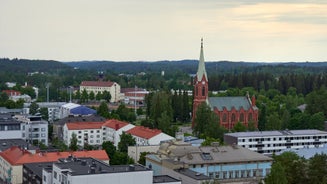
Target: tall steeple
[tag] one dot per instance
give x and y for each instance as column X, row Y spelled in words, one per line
column 200, row 93
column 201, row 67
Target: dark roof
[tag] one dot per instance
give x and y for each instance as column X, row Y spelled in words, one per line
column 229, row 102
column 82, row 110
column 83, row 167
column 7, row 143
column 8, row 119
column 37, row 168
column 164, row 179
column 192, row 174
column 90, row 118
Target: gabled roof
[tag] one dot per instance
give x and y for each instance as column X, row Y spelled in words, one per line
column 17, row 156
column 10, row 92
column 97, row 83
column 115, row 124
column 84, row 125
column 143, row 132
column 82, row 110
column 237, row 102
column 74, row 119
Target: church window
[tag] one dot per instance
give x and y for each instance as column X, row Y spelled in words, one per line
column 196, row 91
column 241, row 117
column 250, row 117
column 233, row 117
column 224, row 117
column 203, row 91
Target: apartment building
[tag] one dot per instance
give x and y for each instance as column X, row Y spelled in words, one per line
column 146, row 136
column 269, row 142
column 100, row 86
column 112, row 129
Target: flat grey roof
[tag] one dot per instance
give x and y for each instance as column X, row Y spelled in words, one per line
column 192, row 174
column 276, row 133
column 8, row 143
column 37, row 168
column 85, row 166
column 164, row 179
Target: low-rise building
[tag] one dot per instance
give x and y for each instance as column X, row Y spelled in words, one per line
column 72, row 109
column 58, row 125
column 134, row 96
column 112, row 129
column 100, row 86
column 53, row 109
column 269, row 142
column 146, row 136
column 12, row 160
column 33, row 129
column 86, row 132
column 227, row 164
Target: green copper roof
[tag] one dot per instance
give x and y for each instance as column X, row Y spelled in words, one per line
column 230, row 102
column 201, row 67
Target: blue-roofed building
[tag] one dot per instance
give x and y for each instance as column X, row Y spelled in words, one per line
column 82, row 110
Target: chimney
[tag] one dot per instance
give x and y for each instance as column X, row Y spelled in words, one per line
column 116, row 126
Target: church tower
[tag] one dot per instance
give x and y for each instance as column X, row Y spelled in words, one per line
column 200, row 92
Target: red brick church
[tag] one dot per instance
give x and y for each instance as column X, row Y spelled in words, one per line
column 229, row 109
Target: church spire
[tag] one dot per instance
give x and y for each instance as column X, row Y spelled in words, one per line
column 201, row 67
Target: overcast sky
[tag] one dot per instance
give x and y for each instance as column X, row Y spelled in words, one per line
column 151, row 30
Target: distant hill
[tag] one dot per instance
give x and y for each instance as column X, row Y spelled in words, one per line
column 25, row 65
column 190, row 66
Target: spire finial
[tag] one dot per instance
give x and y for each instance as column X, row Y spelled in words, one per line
column 201, row 42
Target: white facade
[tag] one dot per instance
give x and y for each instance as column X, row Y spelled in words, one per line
column 113, row 135
column 114, row 90
column 155, row 140
column 91, row 136
column 268, row 142
column 53, row 109
column 33, row 128
column 65, row 109
column 64, row 174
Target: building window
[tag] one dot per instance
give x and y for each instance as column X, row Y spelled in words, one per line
column 203, row 91
column 250, row 117
column 233, row 117
column 241, row 117
column 55, row 174
column 224, row 117
column 43, row 129
column 196, row 91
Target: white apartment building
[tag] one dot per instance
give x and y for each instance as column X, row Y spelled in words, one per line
column 11, row 128
column 146, row 136
column 112, row 129
column 89, row 170
column 100, row 86
column 86, row 133
column 269, row 142
column 53, row 109
column 66, row 108
column 33, row 128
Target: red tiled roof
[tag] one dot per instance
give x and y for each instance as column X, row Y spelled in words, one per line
column 84, row 125
column 97, row 83
column 12, row 92
column 143, row 132
column 17, row 156
column 115, row 124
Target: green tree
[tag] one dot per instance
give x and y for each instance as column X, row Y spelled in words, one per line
column 142, row 158
column 239, row 127
column 44, row 113
column 317, row 121
column 103, row 110
column 317, row 172
column 209, row 140
column 84, row 96
column 91, row 96
column 98, row 96
column 34, row 108
column 106, row 96
column 125, row 141
column 73, row 142
column 121, row 158
column 160, row 102
column 110, row 148
column 277, row 174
